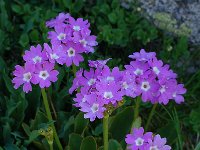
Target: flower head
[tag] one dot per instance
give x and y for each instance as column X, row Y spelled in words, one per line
column 157, row 143
column 143, row 55
column 45, row 74
column 35, row 55
column 73, row 54
column 79, row 24
column 23, row 75
column 93, row 106
column 59, row 20
column 138, row 140
column 55, row 54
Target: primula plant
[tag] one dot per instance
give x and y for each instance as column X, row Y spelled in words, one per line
column 100, row 90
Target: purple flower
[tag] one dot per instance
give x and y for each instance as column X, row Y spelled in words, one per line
column 128, row 85
column 23, row 75
column 35, row 55
column 79, row 24
column 166, row 90
column 62, row 34
column 178, row 90
column 108, row 76
column 73, row 54
column 90, row 78
column 77, row 81
column 93, row 107
column 110, row 92
column 56, row 54
column 143, row 55
column 58, row 21
column 157, row 143
column 148, row 89
column 86, row 40
column 45, row 74
column 98, row 63
column 137, row 68
column 156, row 66
column 138, row 140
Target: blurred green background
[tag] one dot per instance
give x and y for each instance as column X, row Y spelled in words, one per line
column 120, row 32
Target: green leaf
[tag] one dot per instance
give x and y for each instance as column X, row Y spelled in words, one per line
column 197, row 147
column 24, row 40
column 98, row 130
column 114, row 145
column 121, row 123
column 26, row 128
column 33, row 135
column 112, row 17
column 2, row 65
column 17, row 9
column 2, row 37
column 88, row 142
column 80, row 123
column 75, row 141
column 11, row 147
column 169, row 131
column 8, row 83
column 78, row 5
column 34, row 35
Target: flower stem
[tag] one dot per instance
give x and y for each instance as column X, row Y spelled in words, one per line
column 150, row 116
column 136, row 110
column 105, row 132
column 48, row 112
column 51, row 146
column 74, row 70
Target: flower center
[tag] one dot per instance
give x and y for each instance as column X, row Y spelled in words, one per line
column 110, row 78
column 153, row 148
column 95, row 107
column 54, row 56
column 61, row 36
column 76, row 28
column 145, row 86
column 125, row 85
column 139, row 141
column 44, row 74
column 91, row 82
column 27, row 77
column 138, row 72
column 83, row 42
column 108, row 95
column 71, row 52
column 37, row 59
column 156, row 70
column 162, row 89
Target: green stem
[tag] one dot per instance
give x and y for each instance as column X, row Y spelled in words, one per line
column 48, row 112
column 105, row 132
column 136, row 110
column 74, row 70
column 51, row 146
column 150, row 116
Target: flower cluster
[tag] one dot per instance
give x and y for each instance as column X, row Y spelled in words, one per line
column 73, row 35
column 101, row 87
column 139, row 140
column 70, row 38
column 38, row 69
column 151, row 79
